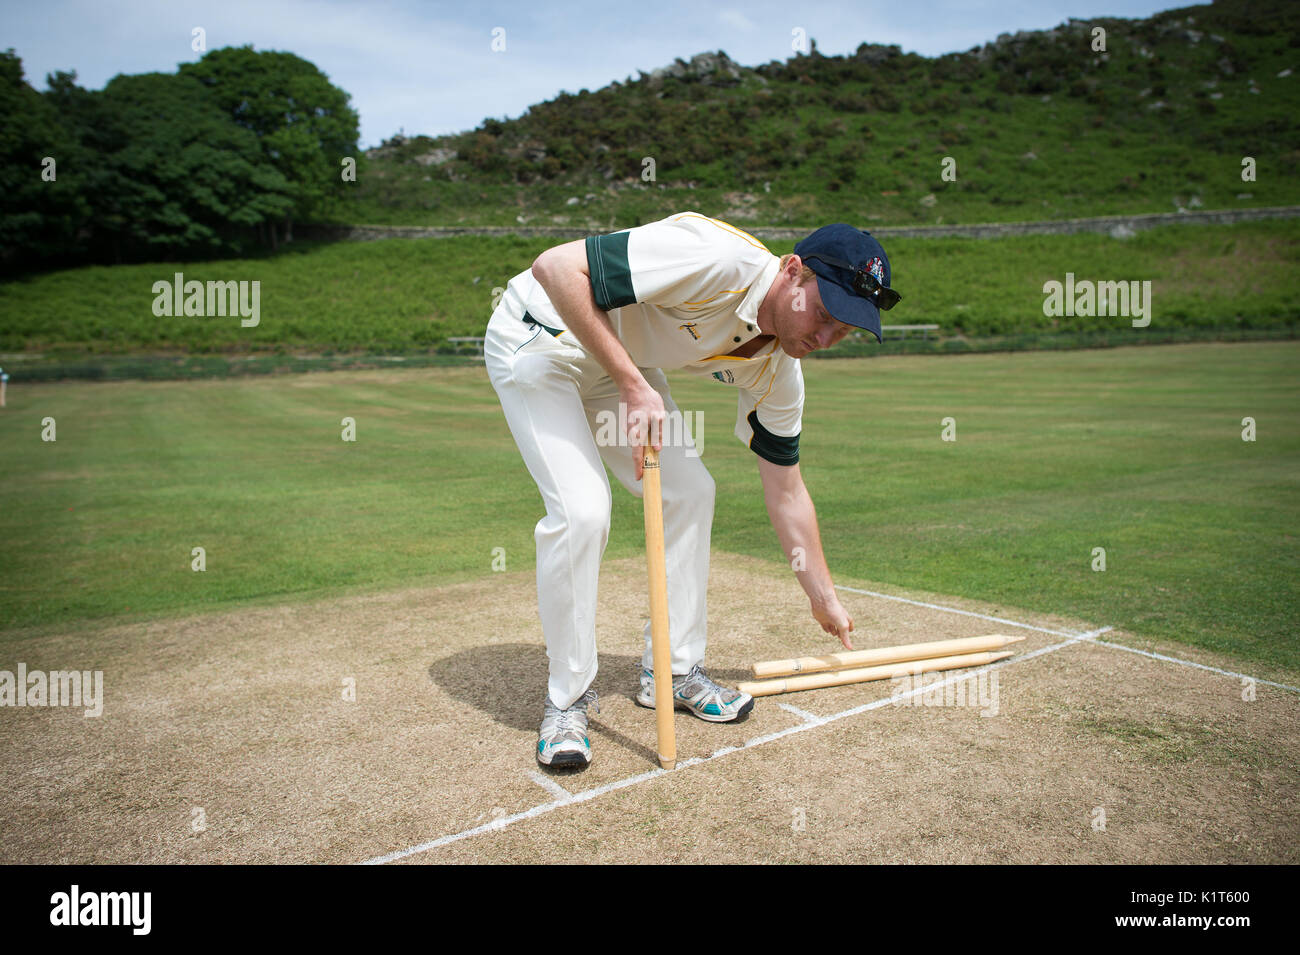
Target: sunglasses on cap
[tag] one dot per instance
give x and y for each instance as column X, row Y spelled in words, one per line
column 864, row 283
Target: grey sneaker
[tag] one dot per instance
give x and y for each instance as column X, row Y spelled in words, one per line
column 695, row 692
column 563, row 738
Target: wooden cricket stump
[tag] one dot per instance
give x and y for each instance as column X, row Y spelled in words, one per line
column 816, row 681
column 882, row 655
column 652, row 498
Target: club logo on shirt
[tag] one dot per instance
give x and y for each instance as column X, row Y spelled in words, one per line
column 690, row 327
column 726, row 377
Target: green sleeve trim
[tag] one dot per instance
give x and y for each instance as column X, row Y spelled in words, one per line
column 611, row 276
column 772, row 447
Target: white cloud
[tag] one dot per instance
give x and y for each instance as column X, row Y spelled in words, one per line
column 736, row 19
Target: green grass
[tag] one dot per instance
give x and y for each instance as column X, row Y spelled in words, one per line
column 408, row 296
column 1138, row 451
column 1168, row 739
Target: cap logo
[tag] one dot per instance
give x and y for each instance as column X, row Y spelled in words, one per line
column 877, row 269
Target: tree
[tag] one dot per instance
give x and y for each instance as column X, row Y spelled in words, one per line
column 304, row 123
column 39, row 216
column 96, row 135
column 186, row 179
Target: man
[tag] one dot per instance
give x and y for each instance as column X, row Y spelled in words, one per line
column 589, row 328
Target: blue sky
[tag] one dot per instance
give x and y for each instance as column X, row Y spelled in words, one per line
column 429, row 66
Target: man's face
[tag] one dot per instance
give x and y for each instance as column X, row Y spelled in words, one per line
column 801, row 322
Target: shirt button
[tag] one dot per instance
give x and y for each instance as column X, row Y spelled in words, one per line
column 750, row 327
column 736, row 339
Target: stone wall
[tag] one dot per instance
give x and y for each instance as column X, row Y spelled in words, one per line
column 1120, row 226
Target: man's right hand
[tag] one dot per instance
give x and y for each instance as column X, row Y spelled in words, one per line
column 645, row 419
column 835, row 620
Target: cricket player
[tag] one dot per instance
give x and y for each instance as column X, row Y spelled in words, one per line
column 582, row 339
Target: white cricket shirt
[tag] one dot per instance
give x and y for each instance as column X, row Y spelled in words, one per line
column 681, row 293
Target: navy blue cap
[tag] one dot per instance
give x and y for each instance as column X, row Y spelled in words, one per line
column 862, row 251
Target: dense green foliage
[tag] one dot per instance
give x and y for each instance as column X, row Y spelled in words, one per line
column 212, row 160
column 187, row 185
column 36, row 214
column 1039, row 126
column 303, row 123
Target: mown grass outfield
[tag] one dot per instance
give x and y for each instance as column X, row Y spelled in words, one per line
column 1138, row 451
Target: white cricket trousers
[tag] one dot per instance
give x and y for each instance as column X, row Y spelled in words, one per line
column 552, row 391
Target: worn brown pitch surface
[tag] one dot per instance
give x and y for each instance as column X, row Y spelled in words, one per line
column 227, row 738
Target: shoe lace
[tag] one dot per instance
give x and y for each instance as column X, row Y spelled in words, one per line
column 679, row 679
column 698, row 681
column 566, row 721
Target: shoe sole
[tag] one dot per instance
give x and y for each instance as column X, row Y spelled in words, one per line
column 739, row 715
column 565, row 760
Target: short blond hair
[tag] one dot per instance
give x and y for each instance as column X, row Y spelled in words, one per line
column 804, row 275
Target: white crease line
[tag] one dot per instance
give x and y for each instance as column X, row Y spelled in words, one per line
column 504, row 821
column 589, row 794
column 1074, row 638
column 1199, row 666
column 550, row 785
column 1091, row 637
column 802, row 714
column 967, row 613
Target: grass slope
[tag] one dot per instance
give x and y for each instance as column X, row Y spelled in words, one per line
column 1039, row 125
column 409, row 296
